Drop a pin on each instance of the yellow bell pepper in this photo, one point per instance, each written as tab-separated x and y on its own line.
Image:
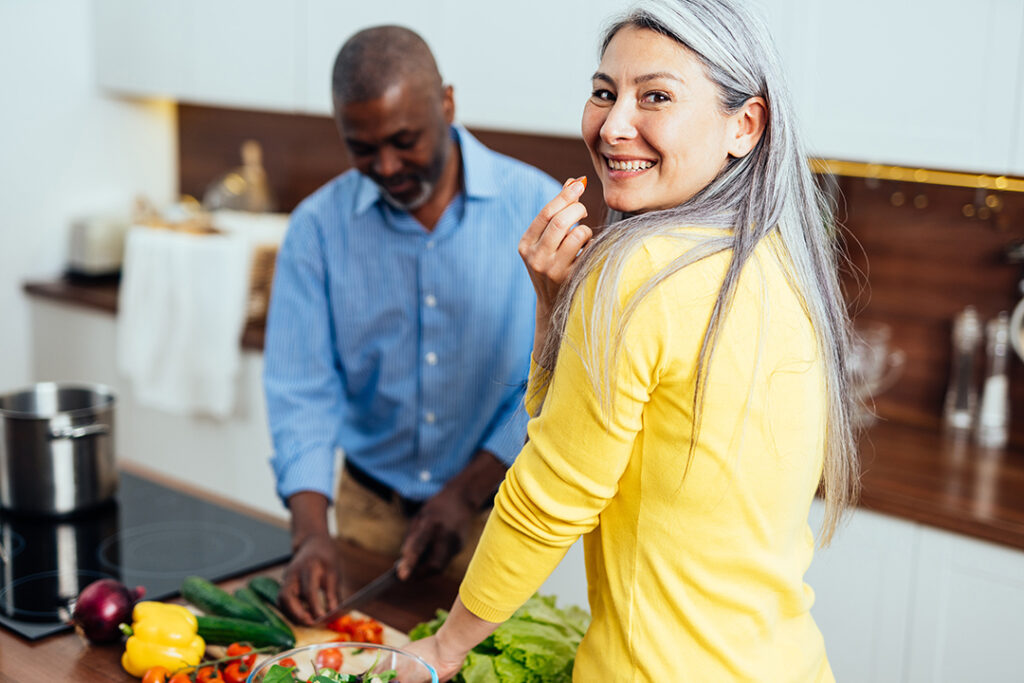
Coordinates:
162	635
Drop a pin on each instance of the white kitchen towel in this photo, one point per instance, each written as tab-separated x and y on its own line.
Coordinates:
181	314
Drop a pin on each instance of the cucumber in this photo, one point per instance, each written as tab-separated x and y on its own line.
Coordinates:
270	617
266	587
227	630
217	602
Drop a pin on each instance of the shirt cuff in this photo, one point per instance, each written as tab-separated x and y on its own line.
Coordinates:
507	440
311	471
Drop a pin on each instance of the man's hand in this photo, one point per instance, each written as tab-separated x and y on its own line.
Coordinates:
440	529
310	586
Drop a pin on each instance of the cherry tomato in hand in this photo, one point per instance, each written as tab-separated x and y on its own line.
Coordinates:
236	672
329	658
155	674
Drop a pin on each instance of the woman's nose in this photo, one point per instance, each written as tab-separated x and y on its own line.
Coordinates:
619	124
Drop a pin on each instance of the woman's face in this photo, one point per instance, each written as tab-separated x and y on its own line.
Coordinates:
654	125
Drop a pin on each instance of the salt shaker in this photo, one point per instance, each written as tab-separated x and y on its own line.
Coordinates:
962	395
994	411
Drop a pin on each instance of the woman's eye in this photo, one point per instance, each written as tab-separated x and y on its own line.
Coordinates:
655	97
602	95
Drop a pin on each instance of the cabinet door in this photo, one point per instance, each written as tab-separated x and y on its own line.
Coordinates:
245	53
913	82
862	586
1017	164
968	616
236	53
141	46
328	24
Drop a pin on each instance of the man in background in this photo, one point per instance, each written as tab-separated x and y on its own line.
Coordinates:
400	328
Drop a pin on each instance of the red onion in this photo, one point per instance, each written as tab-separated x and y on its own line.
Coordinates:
101	607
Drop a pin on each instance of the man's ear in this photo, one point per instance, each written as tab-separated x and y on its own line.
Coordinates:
448	103
747	127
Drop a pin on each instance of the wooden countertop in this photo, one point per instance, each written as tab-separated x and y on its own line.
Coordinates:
69	658
913	472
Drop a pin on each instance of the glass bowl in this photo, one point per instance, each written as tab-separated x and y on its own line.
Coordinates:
357	658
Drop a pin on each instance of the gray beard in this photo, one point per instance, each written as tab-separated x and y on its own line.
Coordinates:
417	202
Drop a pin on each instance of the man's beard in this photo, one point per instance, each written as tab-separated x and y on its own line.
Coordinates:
426	192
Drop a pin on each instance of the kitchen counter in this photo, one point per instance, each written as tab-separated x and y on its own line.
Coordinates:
68	658
912	472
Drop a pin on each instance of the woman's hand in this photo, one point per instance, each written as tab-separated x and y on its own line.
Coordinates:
550	247
431	652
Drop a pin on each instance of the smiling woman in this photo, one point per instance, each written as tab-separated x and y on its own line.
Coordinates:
690	383
658	137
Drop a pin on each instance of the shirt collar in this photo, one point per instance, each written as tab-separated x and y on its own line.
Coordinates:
479	174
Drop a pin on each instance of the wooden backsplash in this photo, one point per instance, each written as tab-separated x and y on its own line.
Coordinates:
921	259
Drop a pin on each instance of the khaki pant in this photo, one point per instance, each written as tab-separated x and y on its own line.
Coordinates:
369	521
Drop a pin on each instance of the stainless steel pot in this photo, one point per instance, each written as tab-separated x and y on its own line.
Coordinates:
57	448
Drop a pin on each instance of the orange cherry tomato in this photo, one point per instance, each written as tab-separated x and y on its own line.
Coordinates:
236	672
182	677
329	658
287	662
155	674
208	674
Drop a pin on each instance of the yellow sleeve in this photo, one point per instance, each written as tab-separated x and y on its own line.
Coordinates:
536	387
569	470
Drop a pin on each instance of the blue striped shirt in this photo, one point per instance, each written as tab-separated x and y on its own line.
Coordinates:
408	349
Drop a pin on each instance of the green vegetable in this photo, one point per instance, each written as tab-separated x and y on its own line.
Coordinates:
266	587
536	645
213	600
270	617
286	674
227	630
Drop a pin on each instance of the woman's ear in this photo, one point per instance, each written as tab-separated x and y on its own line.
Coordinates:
746	127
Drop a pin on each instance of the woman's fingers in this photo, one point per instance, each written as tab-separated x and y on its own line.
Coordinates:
571	192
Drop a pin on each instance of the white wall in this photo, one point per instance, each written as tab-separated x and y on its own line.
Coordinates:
65	151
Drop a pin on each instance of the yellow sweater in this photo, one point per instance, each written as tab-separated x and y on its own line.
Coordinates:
695	579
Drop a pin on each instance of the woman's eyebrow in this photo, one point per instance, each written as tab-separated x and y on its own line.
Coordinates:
601	76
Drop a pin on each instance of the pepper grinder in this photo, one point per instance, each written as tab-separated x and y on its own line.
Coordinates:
994	411
962	395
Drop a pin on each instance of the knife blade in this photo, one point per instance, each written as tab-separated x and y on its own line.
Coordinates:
361	596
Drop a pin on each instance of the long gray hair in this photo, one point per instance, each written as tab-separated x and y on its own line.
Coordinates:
769	189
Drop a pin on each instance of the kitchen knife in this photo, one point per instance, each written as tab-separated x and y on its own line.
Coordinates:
361	596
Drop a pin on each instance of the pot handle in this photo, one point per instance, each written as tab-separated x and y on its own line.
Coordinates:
79	432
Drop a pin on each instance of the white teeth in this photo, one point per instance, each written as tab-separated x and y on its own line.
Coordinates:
632	165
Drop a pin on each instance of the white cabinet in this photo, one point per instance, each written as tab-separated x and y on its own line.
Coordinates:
968	614
329	23
236	53
863	593
514	66
927	83
1017	164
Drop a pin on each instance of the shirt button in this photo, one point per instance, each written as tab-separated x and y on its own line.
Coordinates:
430	418
430	300
431	358
430	244
424	476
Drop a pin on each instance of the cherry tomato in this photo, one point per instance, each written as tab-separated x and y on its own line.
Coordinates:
329	658
180	678
287	662
236	649
236	672
368	632
208	674
155	674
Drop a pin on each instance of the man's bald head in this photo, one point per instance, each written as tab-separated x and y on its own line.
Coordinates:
375	59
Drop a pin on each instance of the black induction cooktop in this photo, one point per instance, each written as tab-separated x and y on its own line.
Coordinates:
151	536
